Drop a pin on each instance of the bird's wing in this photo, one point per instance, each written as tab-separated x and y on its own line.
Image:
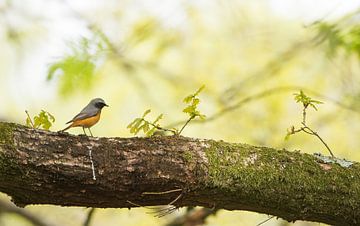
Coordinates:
85	113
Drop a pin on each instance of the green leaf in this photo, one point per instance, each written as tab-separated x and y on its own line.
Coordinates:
137	125
133	122
151	132
189	109
28	122
306	100
158	118
202	117
146	127
195	102
199	90
188	99
146	113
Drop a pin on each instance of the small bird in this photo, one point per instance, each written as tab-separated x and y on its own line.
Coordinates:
88	116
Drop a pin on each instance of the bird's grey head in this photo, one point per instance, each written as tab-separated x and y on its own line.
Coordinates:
98	103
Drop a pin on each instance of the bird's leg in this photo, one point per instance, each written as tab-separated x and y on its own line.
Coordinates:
84	131
90	131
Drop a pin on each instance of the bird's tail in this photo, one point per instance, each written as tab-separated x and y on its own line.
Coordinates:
63	130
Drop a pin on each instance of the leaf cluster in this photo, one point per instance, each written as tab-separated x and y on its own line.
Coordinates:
301	97
141	124
306	101
149	128
192	102
44	120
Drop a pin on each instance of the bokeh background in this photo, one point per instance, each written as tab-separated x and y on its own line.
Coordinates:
252	56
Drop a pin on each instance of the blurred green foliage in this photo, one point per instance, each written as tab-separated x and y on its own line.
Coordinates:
77	69
339	38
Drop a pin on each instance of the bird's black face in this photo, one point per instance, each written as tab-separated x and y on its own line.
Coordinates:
100	105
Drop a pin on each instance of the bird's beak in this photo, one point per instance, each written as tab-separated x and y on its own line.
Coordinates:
106	105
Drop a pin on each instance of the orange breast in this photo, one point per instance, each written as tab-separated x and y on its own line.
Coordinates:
88	122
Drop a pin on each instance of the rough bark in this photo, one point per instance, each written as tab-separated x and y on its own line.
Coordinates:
41	167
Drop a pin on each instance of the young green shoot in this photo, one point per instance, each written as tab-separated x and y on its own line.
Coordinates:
192	102
44	120
148	127
306	101
153	127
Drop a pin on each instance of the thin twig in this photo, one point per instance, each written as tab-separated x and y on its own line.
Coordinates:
322	141
168	210
89	217
304	116
263	222
187	122
309	131
161	128
177	198
155	210
32	124
134	204
165	211
162	192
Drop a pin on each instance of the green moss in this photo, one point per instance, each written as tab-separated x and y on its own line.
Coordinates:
226	163
188	156
6	133
261	174
266	172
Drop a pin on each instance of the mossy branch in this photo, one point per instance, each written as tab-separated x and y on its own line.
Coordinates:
43	167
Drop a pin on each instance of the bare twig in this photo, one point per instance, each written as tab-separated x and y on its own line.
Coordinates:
187	122
134	204
31	122
161	128
89	217
264	221
177	198
165	211
306	129
312	132
162	192
170	209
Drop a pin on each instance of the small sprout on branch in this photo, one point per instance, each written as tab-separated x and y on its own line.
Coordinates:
306	101
192	102
151	128
44	120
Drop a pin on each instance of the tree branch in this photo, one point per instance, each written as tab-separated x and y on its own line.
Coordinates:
41	167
